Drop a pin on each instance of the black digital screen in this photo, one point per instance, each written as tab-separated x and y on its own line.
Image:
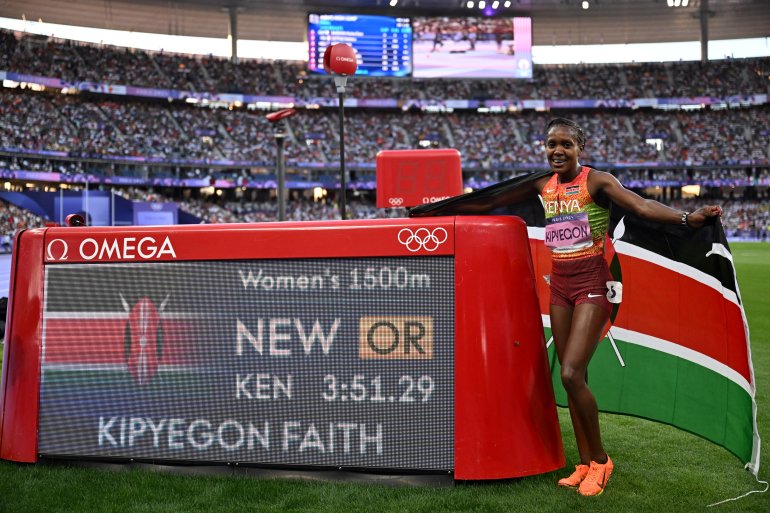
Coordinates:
383	44
317	362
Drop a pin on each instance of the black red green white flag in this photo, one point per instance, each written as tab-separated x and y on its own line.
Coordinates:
678	349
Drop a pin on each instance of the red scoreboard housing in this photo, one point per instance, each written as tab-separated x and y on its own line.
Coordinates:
406	178
500	416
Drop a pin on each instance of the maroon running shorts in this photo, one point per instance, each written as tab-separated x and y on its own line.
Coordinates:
583	280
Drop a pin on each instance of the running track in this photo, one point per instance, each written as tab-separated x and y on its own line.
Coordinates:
5	274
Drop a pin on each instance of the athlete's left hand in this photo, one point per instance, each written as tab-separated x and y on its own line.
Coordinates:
699	217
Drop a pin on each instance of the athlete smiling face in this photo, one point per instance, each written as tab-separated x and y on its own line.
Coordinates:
563	146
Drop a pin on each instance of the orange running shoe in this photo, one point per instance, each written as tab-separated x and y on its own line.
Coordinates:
596	480
575	478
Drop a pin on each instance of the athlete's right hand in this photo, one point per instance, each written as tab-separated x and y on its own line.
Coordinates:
698	218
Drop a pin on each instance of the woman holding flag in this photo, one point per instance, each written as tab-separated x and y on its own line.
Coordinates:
576	200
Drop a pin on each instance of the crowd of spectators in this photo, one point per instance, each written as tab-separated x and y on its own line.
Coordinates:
215	209
718	78
13	219
610	82
743	219
81	62
638	178
102	134
98	126
92	126
296	210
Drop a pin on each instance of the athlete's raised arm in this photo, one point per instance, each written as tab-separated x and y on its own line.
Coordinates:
601	183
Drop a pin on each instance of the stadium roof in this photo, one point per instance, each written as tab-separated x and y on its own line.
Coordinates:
555	22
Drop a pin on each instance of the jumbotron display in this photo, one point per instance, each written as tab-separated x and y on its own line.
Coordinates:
383	44
330	362
488	47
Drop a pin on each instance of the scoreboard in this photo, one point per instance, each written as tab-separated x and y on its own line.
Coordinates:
394	345
383	44
311	362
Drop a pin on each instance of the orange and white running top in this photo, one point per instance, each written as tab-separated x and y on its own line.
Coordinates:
575	226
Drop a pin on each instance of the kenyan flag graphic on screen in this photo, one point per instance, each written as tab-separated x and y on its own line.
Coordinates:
135	339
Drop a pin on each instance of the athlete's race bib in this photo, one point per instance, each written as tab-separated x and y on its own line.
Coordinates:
568	232
614	292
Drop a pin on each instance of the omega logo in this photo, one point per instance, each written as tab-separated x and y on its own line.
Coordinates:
125	248
53	247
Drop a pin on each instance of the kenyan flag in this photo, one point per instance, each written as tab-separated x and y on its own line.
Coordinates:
678	348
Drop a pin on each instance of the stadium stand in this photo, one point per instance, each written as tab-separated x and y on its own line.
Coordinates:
168	148
94	126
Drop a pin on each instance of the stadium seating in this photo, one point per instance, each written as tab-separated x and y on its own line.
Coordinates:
90	136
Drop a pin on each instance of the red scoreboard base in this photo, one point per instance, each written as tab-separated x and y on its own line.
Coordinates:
389	347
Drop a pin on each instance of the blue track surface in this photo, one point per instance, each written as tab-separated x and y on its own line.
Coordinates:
5	274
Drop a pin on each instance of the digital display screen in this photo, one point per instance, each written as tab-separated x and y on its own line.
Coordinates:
472	47
94	207
344	362
383	44
148	213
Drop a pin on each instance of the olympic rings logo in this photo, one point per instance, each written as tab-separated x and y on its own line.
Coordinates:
422	238
396	201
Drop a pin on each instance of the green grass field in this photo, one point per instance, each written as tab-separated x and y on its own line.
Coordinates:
658	468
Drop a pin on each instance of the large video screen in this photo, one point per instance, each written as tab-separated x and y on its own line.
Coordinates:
383	44
340	362
472	47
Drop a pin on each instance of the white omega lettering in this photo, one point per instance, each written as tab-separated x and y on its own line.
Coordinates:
166	249
143	244
129	248
65	249
93	244
126	248
108	249
422	238
433	199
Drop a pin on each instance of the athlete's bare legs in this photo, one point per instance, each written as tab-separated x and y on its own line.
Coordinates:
576	334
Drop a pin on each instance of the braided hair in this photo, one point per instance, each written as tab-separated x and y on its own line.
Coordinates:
577	131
